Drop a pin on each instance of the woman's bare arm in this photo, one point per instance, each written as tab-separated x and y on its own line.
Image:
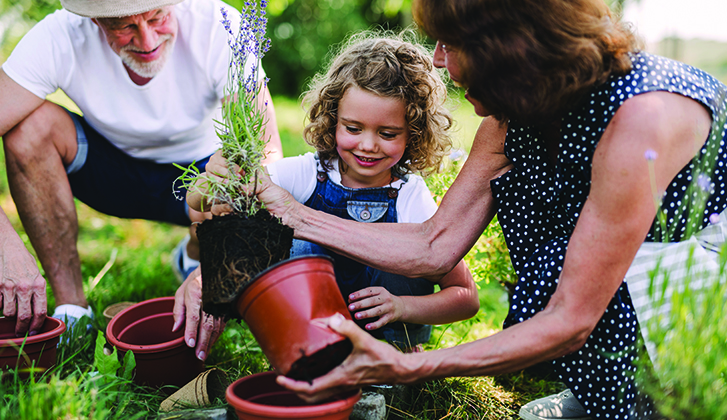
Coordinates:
430	249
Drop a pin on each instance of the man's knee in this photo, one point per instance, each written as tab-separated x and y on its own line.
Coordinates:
48	129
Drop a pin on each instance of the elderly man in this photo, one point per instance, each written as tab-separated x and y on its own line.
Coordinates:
149	77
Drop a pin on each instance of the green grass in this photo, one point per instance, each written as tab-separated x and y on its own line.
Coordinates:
691	370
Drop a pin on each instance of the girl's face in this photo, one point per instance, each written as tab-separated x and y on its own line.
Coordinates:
448	58
371	136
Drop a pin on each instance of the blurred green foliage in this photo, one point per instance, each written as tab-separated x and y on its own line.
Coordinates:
302	31
17	17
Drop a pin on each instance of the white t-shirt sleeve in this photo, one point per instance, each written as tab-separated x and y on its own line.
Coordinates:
38	62
295	174
415	203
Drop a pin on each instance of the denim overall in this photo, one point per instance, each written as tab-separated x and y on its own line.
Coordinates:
366	205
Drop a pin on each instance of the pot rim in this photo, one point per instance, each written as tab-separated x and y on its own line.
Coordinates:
253	284
256	287
142	348
55	331
291	261
272	411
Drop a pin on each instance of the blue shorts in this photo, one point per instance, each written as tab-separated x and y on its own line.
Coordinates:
112	182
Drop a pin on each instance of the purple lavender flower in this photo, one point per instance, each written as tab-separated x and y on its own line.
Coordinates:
457	154
714	218
651	155
705	184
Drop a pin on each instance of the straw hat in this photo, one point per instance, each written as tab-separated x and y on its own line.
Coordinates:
113	8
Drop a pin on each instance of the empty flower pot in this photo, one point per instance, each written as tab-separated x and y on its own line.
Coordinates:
162	357
38	351
259	397
278	307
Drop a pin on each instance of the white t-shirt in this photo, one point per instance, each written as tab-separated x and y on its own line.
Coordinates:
169	119
298	175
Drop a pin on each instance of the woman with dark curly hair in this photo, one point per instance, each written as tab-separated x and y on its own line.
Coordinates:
377	117
587	140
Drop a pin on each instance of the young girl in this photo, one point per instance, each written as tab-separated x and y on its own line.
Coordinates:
376	117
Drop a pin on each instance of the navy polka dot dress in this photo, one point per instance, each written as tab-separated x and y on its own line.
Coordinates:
539	202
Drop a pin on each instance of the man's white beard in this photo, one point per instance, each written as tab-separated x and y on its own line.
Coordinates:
148	69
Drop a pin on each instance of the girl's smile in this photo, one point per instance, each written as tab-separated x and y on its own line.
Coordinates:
371	137
365	161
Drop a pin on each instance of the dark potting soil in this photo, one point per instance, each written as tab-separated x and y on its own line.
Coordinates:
321	362
233	251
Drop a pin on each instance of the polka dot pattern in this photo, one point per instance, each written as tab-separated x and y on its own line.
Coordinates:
539	202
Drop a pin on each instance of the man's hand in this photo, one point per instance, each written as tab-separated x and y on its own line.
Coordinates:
22	288
201	329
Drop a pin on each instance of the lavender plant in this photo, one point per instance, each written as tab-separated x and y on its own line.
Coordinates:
689	374
242	128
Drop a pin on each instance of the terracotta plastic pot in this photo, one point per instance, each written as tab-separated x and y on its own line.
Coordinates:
38	350
279	305
259	397
162	357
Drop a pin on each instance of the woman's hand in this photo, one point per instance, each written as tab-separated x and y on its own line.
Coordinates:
201	329
376	302
278	201
370	362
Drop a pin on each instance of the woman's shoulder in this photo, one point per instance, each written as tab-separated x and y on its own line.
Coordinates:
653	73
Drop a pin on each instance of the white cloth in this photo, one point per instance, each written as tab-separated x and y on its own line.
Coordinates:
169	119
659	269
298	175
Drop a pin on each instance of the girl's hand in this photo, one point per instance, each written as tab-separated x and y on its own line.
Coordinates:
376	301
217	166
216	169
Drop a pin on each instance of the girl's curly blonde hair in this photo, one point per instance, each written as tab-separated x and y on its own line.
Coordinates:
391	67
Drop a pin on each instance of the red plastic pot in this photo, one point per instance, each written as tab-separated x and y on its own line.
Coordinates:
259	397
278	307
162	357
37	351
